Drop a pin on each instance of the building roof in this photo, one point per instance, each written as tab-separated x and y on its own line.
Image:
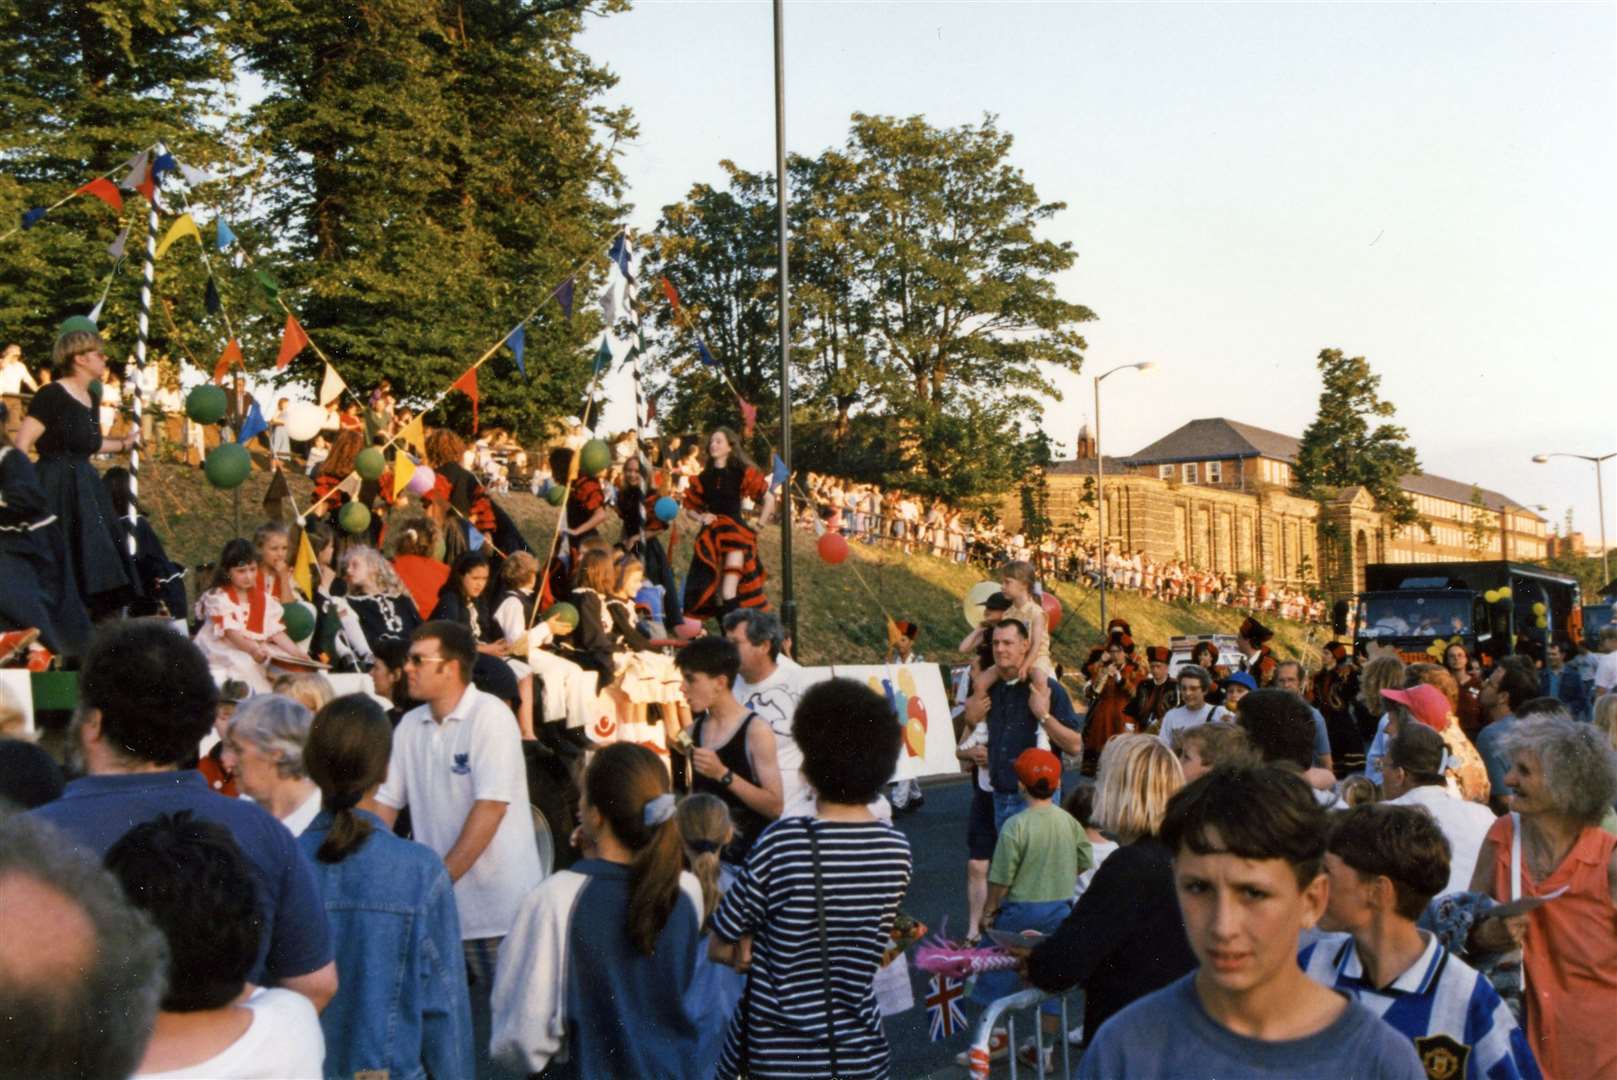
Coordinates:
1086	467
1217	438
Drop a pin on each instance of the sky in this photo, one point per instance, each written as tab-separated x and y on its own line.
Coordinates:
1431	186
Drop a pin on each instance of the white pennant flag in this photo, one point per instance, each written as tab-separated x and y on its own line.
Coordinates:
195	176
350	485
117	248
613	306
331	386
95	312
137	172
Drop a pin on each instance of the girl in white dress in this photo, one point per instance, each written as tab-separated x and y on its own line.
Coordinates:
241	624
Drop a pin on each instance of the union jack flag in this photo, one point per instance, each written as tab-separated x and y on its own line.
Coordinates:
943	1013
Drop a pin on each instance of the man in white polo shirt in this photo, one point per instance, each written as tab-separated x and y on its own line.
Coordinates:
457	764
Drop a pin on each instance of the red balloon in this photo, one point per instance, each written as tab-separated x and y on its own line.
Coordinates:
1052	611
833	548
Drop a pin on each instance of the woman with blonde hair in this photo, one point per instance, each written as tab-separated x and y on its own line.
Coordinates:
705	827
1125	937
377	606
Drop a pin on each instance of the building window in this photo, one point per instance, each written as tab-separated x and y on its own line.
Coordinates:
1215	472
1164	472
1187	472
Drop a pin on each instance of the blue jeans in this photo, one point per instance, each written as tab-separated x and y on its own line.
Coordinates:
1008	805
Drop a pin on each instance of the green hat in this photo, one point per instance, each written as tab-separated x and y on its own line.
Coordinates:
76	324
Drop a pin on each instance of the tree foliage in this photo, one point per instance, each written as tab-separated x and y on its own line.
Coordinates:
1340	448
924	314
1479	532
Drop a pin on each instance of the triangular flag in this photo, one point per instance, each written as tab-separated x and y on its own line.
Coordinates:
350	485
195	176
267	283
603	357
222	236
778	472
474	537
467	384
613	308
184	225
673	297
116	249
105	190
331	386
293	339
303	566
749	418
252	424
135	172
31	218
95	312
414	435
147	186
165	163
620	255
703	355
564	297
227	359
518	340
210	298
279	490
403	469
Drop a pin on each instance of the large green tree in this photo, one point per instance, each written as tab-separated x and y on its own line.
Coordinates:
1348	443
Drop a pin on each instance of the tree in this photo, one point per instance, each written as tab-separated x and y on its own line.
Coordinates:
1481	523
1340	449
1032	458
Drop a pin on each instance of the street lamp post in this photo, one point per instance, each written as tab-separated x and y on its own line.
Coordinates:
1600	501
1100	478
788	605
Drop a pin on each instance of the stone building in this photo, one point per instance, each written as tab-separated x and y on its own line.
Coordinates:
1218	494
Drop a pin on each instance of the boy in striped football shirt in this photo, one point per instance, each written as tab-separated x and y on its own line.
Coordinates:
1385	864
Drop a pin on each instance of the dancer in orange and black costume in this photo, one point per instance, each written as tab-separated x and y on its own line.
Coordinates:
725	571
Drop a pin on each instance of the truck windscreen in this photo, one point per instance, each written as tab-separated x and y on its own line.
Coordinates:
1391	615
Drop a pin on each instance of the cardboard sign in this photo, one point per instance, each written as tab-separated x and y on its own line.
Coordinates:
916	693
16	687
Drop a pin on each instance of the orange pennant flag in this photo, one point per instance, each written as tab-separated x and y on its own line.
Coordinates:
293	339
467	384
673	297
227	359
105	190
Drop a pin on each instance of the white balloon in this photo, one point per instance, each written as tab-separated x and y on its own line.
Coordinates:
304	419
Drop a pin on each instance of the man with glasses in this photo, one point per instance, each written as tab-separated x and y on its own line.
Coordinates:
457	764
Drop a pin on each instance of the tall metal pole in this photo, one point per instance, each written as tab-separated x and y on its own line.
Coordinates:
1100	499
788	607
148	271
1600	501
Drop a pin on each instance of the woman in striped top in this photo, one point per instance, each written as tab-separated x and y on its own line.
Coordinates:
818	897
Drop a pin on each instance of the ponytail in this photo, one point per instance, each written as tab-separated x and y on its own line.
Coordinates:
628	786
705	826
347	753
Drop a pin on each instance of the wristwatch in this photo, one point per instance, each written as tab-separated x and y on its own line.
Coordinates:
728	778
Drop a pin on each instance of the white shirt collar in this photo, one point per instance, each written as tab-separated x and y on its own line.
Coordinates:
1416	979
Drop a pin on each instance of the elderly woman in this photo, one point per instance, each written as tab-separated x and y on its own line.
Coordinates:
264	746
1125	936
1562	780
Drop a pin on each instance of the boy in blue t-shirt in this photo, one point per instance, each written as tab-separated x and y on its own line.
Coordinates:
1248	845
1385	863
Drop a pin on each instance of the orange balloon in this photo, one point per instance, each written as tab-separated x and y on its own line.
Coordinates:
1052	611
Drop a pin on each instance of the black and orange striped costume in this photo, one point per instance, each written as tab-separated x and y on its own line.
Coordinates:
584	498
719	492
451	481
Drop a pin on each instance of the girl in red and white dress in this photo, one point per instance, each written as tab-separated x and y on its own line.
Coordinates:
241	624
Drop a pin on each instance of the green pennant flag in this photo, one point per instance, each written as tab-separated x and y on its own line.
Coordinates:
603	356
267	283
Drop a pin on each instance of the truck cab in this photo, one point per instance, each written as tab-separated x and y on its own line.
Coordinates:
1416	607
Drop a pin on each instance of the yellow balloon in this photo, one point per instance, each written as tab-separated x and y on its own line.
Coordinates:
1541	622
1504	594
1492	596
1538	607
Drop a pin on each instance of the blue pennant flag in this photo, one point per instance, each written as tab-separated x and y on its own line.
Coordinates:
703	355
474	537
31	218
564	297
620	255
165	163
253	425
778	472
603	356
210	299
518	340
223	237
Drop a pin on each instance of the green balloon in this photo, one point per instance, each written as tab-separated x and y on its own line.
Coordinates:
299	620
227	465
595	457
354	518
370	464
565	611
206	404
556	495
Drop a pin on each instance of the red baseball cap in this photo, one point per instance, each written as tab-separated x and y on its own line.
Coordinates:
1425	702
1039	771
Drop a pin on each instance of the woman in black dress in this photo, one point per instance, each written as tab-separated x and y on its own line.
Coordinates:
725	570
63	426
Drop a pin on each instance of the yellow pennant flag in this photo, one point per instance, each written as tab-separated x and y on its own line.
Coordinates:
303	567
183	226
414	435
331	386
403	469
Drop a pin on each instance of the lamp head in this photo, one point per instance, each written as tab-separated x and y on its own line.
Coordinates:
1146	365
1541	459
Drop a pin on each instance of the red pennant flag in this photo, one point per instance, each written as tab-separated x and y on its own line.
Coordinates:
467	384
105	190
148	183
227	359
673	297
293	339
749	417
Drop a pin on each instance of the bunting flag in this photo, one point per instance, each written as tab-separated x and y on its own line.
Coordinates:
414	435
518	340
105	190
134	172
474	537
270	286
116	249
620	255
164	163
564	297
222	236
614	302
749	418
603	357
252	425
227	359
703	355
293	340
210	298
277	492
778	473
673	297
303	566
147	186
31	218
195	177
331	386
350	485
467	384
403	469
184	225
95	312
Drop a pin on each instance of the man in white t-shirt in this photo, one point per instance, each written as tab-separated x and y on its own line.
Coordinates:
770	685
1606	668
1413	775
458	765
1194	683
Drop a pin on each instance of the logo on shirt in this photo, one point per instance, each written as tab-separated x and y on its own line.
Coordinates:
1441	1056
462	765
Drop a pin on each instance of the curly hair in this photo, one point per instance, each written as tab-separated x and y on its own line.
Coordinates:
1382	673
385	580
444	447
1577	760
345	449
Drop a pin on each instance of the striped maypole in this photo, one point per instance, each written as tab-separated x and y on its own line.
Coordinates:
148	270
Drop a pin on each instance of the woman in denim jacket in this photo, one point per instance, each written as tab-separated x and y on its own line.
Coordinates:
401	1008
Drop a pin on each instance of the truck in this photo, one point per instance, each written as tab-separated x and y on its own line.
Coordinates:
1415	606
